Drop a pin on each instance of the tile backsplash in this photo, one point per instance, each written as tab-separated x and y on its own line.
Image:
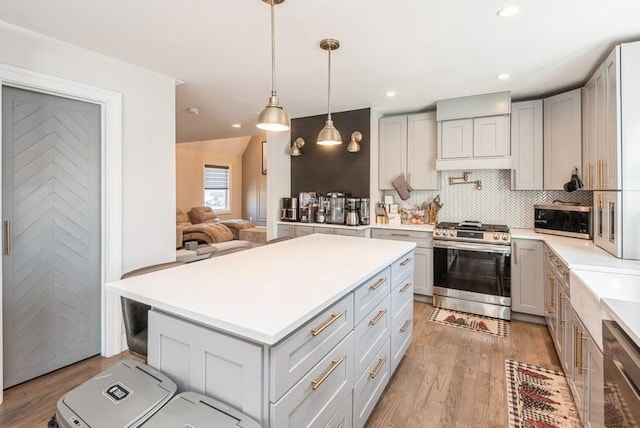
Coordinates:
494	203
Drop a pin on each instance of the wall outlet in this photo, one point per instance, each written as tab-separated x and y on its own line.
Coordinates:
250	218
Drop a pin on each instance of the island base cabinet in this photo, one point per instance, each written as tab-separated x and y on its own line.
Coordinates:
370	386
208	362
344	416
401	335
320	393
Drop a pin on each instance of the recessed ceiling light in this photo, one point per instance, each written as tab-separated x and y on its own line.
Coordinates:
236	125
193	110
502	76
390	94
508	11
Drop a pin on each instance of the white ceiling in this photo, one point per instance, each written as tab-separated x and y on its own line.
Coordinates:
424	50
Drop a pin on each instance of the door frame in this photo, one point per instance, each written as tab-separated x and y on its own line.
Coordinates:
111	190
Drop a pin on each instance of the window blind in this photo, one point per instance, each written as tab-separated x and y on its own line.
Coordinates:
216	177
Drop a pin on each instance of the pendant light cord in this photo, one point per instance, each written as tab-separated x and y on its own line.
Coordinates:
329	89
273	51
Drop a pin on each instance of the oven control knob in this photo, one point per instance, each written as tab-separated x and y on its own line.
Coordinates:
504	237
496	236
436	232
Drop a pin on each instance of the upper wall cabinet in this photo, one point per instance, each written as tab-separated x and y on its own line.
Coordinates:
473	132
526	145
562	138
408	146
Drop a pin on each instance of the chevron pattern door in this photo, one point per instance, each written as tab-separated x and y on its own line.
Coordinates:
51	232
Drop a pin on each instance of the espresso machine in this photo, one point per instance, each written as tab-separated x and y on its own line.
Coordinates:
336	208
364	211
353	206
289	209
307	206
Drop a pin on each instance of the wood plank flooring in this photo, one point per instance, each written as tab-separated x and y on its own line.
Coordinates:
450	377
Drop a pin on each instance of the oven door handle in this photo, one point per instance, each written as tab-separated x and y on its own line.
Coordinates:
485	248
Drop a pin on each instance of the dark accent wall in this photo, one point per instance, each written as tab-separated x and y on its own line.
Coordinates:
325	169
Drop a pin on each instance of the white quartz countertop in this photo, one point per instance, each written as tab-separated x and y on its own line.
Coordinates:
265	293
420	227
581	254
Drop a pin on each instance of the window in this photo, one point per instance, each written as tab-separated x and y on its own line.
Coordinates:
216	187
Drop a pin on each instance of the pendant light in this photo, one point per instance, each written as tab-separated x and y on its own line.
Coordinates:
329	135
273	117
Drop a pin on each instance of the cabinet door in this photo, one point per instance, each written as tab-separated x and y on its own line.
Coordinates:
421	151
575	375
392	159
590	109
609	155
455	138
607	218
423	274
323	229
303	230
286	230
526	145
527	285
491	136
562	138
594	385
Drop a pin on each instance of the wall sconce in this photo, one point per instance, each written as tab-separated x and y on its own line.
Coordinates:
465	180
354	144
294	150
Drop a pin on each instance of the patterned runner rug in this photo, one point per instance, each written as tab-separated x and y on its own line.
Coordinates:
473	322
539	397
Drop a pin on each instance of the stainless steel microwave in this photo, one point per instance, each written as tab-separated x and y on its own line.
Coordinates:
575	221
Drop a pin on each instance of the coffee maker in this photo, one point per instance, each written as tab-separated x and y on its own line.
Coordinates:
336	208
289	209
353	206
307	206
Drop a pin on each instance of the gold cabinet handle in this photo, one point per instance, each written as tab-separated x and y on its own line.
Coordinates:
7	237
405	326
400	234
315	383
562	298
406	261
379	366
377	284
590	177
515	252
406	287
601	173
575	346
378	317
334	317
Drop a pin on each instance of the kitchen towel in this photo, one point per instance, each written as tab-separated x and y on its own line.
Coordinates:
401	186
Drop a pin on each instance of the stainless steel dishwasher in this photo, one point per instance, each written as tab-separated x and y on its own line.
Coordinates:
621	377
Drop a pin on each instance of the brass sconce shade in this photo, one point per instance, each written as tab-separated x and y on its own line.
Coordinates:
329	135
354	144
273	117
294	150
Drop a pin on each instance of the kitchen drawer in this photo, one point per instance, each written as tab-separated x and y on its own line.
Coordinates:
401	267
343	418
370	334
422	238
369	294
303	406
370	386
291	359
401	296
401	335
304	230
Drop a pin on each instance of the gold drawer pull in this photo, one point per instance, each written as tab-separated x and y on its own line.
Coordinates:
315	384
406	325
400	234
406	261
378	317
375	371
377	284
334	317
406	287
564	272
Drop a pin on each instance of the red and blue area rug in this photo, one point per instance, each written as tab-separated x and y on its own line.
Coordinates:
493	326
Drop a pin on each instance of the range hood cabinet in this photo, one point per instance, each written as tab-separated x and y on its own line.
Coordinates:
474	132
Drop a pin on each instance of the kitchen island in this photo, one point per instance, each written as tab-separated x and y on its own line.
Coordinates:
305	331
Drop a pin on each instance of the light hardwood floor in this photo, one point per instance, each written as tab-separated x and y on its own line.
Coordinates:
450	377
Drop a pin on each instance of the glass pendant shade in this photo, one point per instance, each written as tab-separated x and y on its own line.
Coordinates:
273	118
329	135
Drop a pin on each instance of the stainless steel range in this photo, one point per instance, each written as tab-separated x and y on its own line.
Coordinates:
472	268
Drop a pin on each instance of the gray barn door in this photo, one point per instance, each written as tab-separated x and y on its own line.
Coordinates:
51	232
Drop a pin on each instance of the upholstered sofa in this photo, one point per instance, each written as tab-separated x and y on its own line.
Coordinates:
206	215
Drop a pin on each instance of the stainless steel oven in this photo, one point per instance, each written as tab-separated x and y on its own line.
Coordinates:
621	377
472	269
